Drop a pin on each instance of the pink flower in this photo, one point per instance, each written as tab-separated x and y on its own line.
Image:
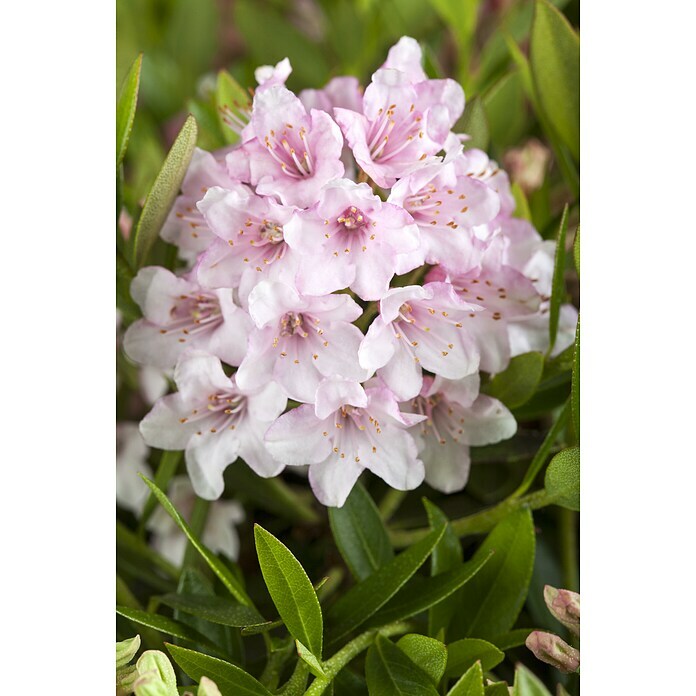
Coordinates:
179	314
348	430
214	421
344	92
249	243
300	340
405	118
131	459
270	75
445	206
185	226
350	238
420	327
456	417
292	154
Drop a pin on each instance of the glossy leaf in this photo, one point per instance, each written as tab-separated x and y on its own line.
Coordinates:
496	689
165	189
527	684
214	609
463	654
558	283
474	123
311	659
168	464
220	569
391	673
291	590
446	555
365	598
516	385
427	653
359	534
563	478
554	57
125	108
471	683
231	99
512	639
421	594
165	625
231	680
263	627
495	595
575	383
125	651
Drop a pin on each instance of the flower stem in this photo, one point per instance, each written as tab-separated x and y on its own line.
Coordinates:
335	664
479	522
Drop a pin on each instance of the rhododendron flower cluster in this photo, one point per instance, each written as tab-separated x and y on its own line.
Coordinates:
350	254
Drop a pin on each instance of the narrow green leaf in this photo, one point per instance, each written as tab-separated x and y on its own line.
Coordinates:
512	639
233	104
359	534
365	598
125	650
521	203
390	672
225	575
554	57
231	680
519	381
558	283
165	189
168	464
214	609
497	689
427	653
576	249
125	108
495	595
447	555
263	627
563	478
421	594
291	590
471	683
506	110
460	17
311	659
164	624
575	383
474	123
463	654
526	684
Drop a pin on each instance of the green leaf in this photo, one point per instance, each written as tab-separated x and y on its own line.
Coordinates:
575	384
495	595
506	110
421	594
471	683
125	108
558	283
576	249
164	624
125	650
446	555
158	663
359	534
463	654
474	122
311	659
232	104
221	570
231	680
521	203
563	478
526	684
460	17
214	609
165	189
291	590
365	598
391	673
497	689
263	627
519	381
168	464
512	639
554	56
427	653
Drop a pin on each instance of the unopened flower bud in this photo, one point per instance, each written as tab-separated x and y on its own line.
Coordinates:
125	651
208	687
157	676
527	164
553	650
125	680
564	605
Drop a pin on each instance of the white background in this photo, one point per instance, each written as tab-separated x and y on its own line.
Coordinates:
57	346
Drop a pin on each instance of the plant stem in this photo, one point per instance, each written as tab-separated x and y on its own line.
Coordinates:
569	548
479	522
390	503
335	664
274	666
302	511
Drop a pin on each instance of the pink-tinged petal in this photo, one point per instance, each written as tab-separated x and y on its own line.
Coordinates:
444	94
224	209
463	391
296	438
253	451
340	356
384	406
447	465
378	346
343	92
207	457
491	338
199	373
269	301
487	421
402	374
229	341
256	370
238	161
339	307
373	271
267	404
335	392
323	274
216	267
131	460
391	303
163	427
269	75
153	289
406	56
274	108
333	479
145	344
296	372
395	459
